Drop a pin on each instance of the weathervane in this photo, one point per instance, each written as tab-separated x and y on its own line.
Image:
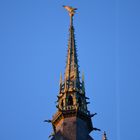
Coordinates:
71	11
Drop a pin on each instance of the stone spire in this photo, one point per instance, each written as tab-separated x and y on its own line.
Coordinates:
72	120
72	71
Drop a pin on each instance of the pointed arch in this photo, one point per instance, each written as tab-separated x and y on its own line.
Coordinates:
70	100
62	103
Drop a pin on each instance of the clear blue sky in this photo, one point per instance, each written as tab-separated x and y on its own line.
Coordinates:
33	45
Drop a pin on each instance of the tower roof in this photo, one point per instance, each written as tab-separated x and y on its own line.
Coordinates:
72	71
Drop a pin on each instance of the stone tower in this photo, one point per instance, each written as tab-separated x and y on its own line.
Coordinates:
72	121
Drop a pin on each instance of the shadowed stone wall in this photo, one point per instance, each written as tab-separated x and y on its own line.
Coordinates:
72	128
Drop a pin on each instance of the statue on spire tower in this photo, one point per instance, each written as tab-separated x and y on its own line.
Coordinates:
71	11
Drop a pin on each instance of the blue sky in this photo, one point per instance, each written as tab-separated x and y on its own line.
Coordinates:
33	45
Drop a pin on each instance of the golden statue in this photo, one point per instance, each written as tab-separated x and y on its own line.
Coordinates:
71	10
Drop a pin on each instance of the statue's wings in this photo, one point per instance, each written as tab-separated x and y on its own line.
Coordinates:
70	9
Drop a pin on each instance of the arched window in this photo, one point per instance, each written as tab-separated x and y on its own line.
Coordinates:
70	100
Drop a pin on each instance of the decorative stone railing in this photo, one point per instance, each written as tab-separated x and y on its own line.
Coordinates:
72	108
75	107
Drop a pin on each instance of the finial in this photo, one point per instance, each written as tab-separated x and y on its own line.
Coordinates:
83	77
104	136
65	83
60	82
71	11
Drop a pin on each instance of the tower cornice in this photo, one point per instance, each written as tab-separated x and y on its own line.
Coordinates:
75	112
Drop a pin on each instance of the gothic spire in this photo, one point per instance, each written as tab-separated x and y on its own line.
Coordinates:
71	71
72	102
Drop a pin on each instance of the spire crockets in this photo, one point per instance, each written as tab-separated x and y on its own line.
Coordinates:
71	71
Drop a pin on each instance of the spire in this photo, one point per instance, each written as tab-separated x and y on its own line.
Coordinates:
72	102
104	136
71	71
